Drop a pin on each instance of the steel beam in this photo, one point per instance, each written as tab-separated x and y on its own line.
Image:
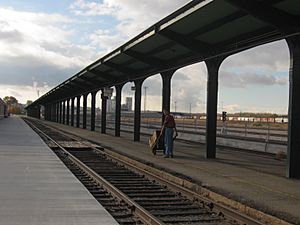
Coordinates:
264	12
57	112
192	44
166	90
93	110
69	89
85	80
46	112
149	60
49	112
60	112
68	112
84	112
53	112
102	75
64	112
75	84
118	109
213	66
120	68
293	151
217	23
137	108
72	110
78	112
103	112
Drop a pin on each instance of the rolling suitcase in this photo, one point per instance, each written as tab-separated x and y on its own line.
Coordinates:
156	142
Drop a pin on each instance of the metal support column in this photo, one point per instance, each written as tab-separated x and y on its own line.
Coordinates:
49	112
68	112
118	109
293	151
57	113
78	112
38	112
93	110
103	112
137	108
52	112
213	66
72	111
60	112
46	112
64	112
84	111
166	90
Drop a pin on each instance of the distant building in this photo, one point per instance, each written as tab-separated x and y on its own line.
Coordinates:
111	105
124	107
128	103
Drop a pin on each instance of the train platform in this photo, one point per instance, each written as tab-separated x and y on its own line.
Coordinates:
246	179
36	187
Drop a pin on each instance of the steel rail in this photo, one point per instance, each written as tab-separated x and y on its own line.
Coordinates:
229	212
218	207
136	209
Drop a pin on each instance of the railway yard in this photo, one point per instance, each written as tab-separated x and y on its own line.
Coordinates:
264	139
136	187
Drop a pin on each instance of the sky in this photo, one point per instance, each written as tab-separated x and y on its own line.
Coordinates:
43	43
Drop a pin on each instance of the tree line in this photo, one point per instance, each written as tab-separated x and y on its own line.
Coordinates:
13	105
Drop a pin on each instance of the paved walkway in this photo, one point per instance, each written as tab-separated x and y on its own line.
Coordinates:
255	180
35	186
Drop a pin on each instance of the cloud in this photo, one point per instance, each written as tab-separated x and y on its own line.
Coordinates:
8	35
38	44
231	108
23	92
107	40
189	90
85	8
244	79
265	65
269	58
134	16
153	86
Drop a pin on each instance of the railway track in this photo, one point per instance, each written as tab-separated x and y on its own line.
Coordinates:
133	196
238	131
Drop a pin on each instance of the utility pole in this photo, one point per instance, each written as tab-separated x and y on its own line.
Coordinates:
175	106
190	109
145	98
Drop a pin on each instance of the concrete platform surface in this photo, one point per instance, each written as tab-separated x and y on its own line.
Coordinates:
253	179
35	186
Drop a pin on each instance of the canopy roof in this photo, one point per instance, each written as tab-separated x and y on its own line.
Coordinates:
198	31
